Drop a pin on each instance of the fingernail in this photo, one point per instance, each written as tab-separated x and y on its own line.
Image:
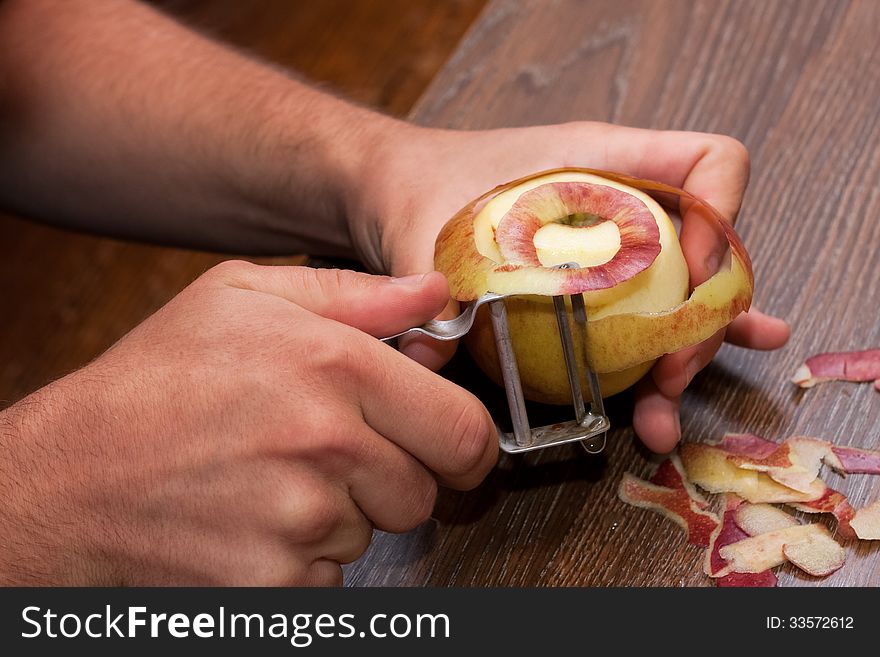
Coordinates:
713	263
413	280
677	428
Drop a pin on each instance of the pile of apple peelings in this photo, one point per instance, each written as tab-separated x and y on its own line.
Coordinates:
751	536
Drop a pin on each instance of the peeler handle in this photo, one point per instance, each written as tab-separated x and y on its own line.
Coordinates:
449	329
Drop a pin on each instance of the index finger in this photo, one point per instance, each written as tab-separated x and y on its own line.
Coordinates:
714	168
441	424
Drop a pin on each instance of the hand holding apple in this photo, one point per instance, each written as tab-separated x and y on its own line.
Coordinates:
423	177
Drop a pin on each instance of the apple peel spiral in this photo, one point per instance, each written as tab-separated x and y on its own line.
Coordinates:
632	274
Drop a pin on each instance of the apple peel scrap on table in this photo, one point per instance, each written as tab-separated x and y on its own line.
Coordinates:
747	542
726	533
741	521
854	366
762	471
809	547
633	274
674	503
751	536
796	462
776	537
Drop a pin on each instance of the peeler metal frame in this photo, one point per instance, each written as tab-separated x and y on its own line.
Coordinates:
589	426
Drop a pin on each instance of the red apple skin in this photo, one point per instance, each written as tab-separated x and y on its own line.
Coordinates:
747	444
835	503
728	532
675	504
854	460
670	474
639	234
854	366
466	269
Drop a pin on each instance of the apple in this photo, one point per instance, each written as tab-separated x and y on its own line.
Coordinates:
632	274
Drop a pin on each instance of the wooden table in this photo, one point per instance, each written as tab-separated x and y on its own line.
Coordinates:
799	83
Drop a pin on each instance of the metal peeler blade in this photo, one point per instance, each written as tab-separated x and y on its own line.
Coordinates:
589	426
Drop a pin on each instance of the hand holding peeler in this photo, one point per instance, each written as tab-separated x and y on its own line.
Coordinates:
589	426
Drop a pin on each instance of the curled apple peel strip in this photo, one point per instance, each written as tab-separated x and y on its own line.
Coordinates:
711	306
855	366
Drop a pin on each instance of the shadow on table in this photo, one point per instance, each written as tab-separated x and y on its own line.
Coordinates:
705	406
533	470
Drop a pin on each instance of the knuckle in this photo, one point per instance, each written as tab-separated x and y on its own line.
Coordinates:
318	515
735	150
230	270
341	363
328	436
471	430
413	506
335	442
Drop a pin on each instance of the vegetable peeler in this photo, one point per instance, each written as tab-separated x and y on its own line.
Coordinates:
589	426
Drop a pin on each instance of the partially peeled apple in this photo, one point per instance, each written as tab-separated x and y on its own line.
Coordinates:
632	274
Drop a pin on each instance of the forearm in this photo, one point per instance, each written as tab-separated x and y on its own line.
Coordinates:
118	120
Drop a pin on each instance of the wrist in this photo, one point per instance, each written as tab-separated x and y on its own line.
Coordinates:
304	169
366	160
45	538
386	199
19	565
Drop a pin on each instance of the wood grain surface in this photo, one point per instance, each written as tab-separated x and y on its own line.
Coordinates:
796	81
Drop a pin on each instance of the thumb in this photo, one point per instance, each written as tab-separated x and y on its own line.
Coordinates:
378	305
433	354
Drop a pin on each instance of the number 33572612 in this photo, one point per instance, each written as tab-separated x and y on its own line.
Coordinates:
811	623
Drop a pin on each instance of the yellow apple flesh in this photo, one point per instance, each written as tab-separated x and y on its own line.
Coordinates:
631	324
